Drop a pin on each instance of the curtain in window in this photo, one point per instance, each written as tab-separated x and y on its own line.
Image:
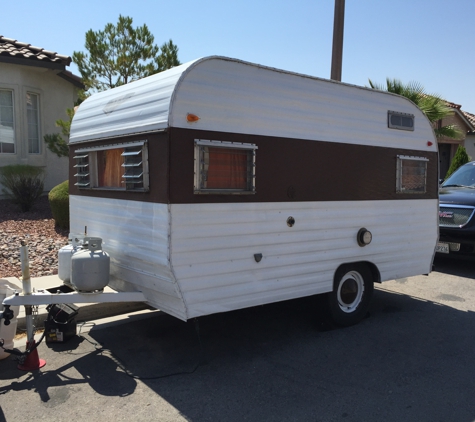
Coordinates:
7	136
32	115
110	168
227	168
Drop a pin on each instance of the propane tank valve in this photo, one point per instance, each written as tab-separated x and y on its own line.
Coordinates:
7	314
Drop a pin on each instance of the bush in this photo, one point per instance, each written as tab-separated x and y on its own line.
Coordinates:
23	184
460	158
59	204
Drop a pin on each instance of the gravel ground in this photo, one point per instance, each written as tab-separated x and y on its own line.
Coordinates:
37	228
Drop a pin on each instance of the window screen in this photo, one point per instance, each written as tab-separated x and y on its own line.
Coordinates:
411	174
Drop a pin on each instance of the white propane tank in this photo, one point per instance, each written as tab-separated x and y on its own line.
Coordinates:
90	266
7	332
65	254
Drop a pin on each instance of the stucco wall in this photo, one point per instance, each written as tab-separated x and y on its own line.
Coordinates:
470	145
55	96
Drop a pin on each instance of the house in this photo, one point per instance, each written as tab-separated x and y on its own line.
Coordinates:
447	146
35	91
470	137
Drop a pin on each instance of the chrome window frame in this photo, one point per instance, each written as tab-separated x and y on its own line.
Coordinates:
200	166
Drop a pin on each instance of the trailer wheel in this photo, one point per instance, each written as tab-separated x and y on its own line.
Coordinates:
349	301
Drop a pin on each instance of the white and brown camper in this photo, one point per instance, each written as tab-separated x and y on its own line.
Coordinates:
220	184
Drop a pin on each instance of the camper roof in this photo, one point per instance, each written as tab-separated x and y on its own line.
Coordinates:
229	95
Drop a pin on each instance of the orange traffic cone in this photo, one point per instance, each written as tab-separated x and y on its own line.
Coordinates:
32	361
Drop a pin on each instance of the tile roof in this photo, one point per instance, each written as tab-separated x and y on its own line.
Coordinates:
470	117
13	49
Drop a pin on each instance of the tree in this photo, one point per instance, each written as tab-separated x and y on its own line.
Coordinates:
121	54
460	158
433	106
55	141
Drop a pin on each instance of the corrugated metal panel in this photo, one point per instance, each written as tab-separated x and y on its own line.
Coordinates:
136	107
136	235
233	96
213	248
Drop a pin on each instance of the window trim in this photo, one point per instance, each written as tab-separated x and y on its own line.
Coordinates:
251	148
93	178
399	168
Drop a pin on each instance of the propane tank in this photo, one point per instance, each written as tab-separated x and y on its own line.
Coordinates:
75	241
90	266
7	332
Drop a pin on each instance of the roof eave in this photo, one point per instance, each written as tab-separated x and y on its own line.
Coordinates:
32	62
72	78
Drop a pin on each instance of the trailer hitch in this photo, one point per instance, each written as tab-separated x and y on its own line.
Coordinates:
7	314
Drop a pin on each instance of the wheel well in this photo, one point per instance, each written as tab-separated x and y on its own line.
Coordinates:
372	268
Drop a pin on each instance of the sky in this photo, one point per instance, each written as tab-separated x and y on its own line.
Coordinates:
426	41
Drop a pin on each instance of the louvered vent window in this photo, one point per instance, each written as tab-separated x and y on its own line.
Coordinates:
117	167
133	177
224	167
82	170
411	174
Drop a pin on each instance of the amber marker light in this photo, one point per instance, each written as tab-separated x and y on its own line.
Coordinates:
190	118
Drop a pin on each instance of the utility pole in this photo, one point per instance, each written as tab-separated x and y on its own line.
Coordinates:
337	51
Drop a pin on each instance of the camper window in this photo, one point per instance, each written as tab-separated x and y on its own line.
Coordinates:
224	167
402	121
411	174
120	166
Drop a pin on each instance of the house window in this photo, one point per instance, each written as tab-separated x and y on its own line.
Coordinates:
224	167
120	167
411	174
402	121
33	120
7	133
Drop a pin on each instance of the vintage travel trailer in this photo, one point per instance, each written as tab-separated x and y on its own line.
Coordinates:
221	184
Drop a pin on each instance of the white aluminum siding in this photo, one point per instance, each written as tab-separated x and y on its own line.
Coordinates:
139	106
213	247
136	236
237	97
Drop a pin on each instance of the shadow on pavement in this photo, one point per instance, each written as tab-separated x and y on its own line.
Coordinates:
98	371
410	360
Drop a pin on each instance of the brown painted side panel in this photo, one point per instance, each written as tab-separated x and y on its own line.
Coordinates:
286	170
301	170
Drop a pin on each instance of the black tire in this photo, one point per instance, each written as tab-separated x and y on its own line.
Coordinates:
349	301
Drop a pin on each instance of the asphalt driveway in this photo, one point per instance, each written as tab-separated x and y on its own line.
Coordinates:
412	359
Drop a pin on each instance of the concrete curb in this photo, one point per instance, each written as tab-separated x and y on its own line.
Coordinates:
87	311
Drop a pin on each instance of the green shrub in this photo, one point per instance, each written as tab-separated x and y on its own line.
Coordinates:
23	184
460	158
59	204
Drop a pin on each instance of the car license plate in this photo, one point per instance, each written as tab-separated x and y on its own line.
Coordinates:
442	247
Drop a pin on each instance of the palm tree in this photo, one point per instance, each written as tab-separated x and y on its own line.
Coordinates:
433	106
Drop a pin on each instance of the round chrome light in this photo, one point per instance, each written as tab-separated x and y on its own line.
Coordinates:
364	237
